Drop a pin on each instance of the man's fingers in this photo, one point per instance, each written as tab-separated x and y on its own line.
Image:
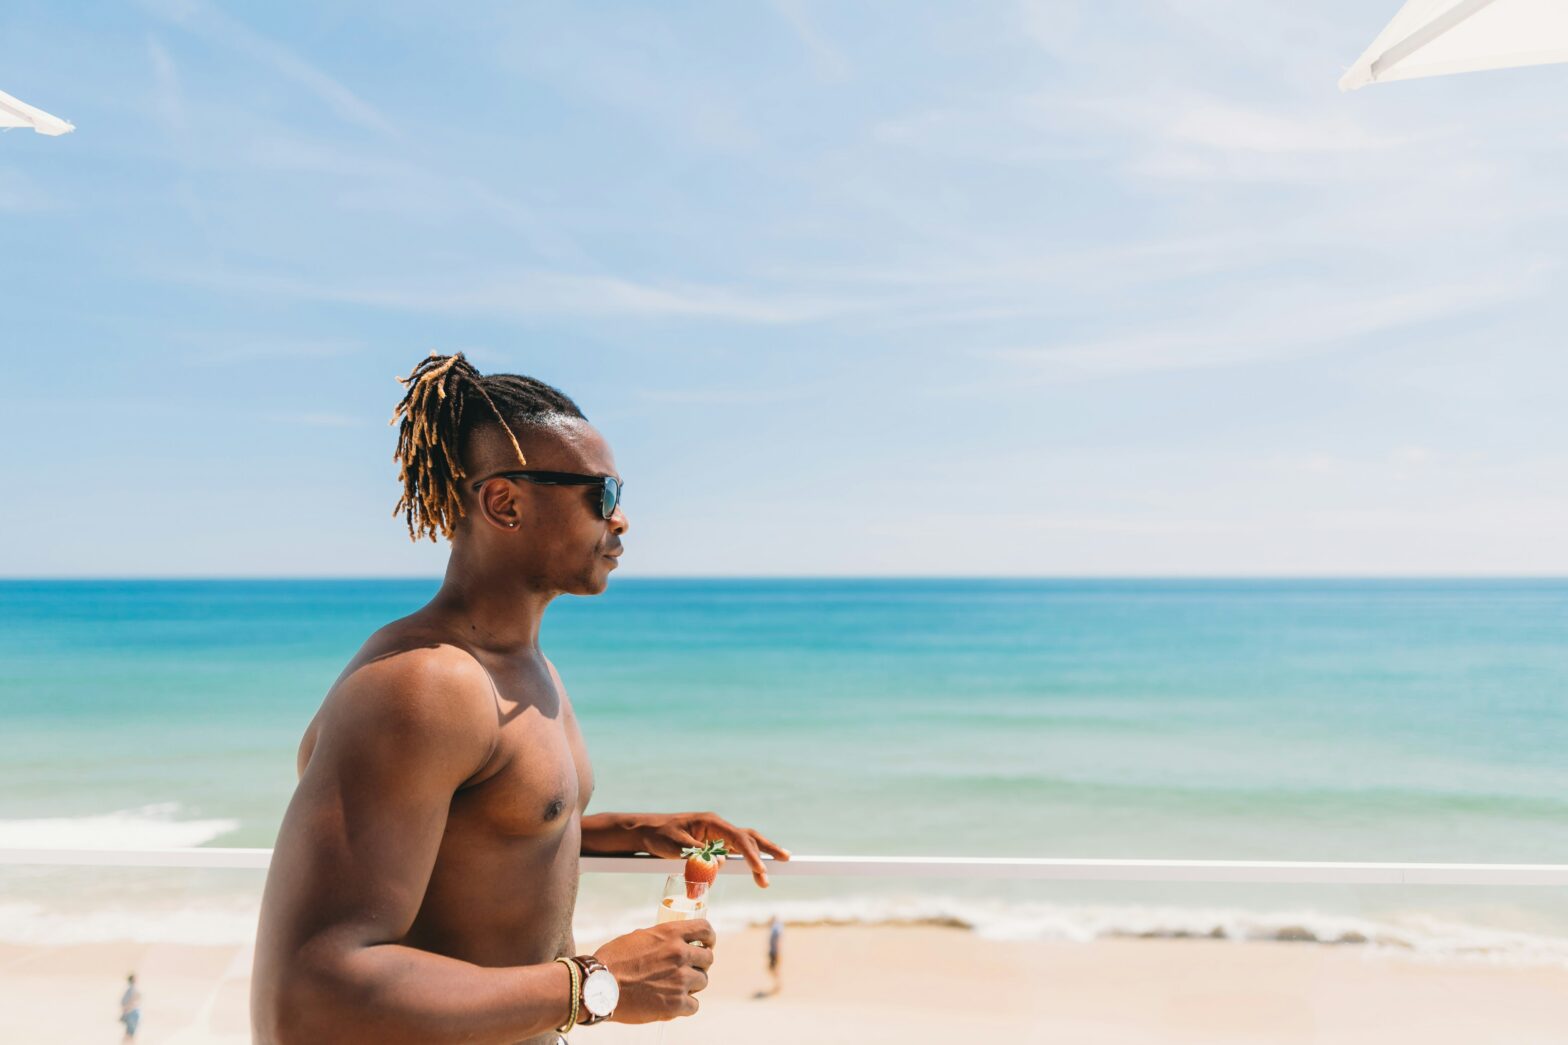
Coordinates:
697	930
742	840
748	852
744	843
778	852
699	957
754	860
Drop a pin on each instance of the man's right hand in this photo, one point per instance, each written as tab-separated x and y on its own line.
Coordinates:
659	969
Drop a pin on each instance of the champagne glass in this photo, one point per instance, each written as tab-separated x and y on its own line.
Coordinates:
681	901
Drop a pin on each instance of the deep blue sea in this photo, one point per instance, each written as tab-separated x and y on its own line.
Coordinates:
1314	720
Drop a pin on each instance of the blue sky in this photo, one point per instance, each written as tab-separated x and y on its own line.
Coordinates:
1055	288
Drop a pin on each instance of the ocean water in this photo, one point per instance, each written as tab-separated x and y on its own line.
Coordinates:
1314	720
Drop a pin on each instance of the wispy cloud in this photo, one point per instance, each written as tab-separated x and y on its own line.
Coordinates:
168	100
1178	134
211	23
623	58
218	348
1287	323
1012	280
1227	126
21	194
314	420
731	395
827	59
382	177
1202	138
527	292
1407	461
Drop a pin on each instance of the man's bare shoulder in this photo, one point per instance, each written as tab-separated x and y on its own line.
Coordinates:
408	686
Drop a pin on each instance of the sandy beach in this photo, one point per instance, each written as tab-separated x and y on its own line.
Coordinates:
907	985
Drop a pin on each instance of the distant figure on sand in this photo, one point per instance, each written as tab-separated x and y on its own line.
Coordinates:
130	1007
775	933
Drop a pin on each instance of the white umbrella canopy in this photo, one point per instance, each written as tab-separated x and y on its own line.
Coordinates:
16	113
1436	37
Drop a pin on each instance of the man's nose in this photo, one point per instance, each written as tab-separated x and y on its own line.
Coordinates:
618	523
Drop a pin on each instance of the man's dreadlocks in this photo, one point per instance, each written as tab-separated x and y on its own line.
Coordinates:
439	410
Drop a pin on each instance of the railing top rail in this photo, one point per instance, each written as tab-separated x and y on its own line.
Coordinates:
1044	869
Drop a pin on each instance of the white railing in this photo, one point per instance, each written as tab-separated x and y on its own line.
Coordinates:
1277	871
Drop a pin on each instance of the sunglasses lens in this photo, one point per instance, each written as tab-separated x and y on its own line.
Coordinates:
612	497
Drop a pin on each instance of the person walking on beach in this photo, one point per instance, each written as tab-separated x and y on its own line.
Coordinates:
775	936
425	875
131	1007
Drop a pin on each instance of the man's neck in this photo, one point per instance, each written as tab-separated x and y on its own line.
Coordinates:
496	613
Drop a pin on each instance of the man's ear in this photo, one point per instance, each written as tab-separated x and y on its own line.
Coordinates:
498	505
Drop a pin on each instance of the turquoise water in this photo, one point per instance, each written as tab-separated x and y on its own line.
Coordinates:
1356	720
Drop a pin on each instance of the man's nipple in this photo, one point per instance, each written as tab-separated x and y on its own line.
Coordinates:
554	809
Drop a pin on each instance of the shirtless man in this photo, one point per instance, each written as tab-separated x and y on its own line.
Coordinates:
424	878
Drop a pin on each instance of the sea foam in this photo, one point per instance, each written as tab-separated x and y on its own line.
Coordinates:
1419	935
146	827
206	923
232	921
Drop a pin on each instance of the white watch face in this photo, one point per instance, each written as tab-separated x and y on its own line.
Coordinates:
601	992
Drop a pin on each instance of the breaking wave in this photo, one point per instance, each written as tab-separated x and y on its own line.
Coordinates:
147	827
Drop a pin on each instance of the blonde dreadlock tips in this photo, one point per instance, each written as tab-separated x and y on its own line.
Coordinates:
430	466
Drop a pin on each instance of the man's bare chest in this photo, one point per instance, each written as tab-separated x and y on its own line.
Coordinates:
540	777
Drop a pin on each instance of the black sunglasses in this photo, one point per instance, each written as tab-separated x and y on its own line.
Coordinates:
609	493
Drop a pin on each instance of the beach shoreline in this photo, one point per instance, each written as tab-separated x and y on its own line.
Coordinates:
908	984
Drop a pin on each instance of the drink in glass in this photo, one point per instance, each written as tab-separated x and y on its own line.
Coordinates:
683	900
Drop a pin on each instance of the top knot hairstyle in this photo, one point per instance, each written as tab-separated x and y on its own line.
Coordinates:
446	400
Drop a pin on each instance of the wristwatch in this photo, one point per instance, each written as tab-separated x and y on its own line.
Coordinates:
600	991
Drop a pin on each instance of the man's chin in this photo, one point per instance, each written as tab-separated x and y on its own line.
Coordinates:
596	581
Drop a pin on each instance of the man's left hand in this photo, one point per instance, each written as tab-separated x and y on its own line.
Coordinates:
666	834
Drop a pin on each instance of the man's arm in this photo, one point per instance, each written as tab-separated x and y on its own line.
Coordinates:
613	834
399	737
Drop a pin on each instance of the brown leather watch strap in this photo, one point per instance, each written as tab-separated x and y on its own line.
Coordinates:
588	964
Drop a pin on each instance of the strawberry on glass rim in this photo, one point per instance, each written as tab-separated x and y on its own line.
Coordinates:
702	865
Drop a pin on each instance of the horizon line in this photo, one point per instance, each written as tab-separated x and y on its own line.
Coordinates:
172	577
